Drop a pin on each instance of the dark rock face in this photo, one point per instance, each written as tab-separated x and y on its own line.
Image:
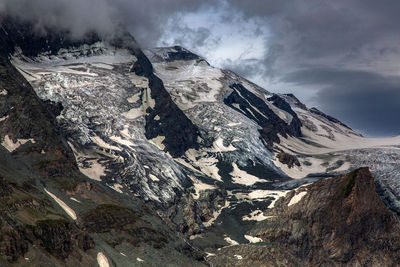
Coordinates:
297	102
188	215
340	221
336	222
60	237
12	245
332	119
180	133
280	103
257	110
181	54
288	159
124	226
106	217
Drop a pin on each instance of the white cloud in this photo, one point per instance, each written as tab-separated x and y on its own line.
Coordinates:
220	35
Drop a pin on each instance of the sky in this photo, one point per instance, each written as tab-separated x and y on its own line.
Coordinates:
340	56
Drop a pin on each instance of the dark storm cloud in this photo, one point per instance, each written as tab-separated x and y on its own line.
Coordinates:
320	28
367	101
76	16
143	18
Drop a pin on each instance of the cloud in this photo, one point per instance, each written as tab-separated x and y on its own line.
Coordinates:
75	16
78	17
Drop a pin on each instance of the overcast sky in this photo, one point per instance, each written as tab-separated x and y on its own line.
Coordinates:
341	56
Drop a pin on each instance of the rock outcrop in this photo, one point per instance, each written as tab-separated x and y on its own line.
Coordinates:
333	222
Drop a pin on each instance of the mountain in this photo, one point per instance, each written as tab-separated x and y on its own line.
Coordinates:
333	222
114	154
52	214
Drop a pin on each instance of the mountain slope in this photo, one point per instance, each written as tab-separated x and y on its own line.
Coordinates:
333	222
52	214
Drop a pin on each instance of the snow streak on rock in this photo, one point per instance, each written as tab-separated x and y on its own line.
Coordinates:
71	213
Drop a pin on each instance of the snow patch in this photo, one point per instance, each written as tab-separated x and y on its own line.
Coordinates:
215	215
3	118
219	146
315	165
133	113
135	98
263	194
95	171
199	186
253	239
117	187
341	142
257	194
192	237
296	198
242	177
230	241
121	141
158	142
11	146
233	124
102	260
100	142
143	82
139	81
207	165
62	204
256	215
103	66
154	178
74	199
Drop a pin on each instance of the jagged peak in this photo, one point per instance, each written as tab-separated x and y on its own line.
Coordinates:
171	53
293	101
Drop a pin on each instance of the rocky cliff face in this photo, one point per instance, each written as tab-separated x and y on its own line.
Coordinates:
333	222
